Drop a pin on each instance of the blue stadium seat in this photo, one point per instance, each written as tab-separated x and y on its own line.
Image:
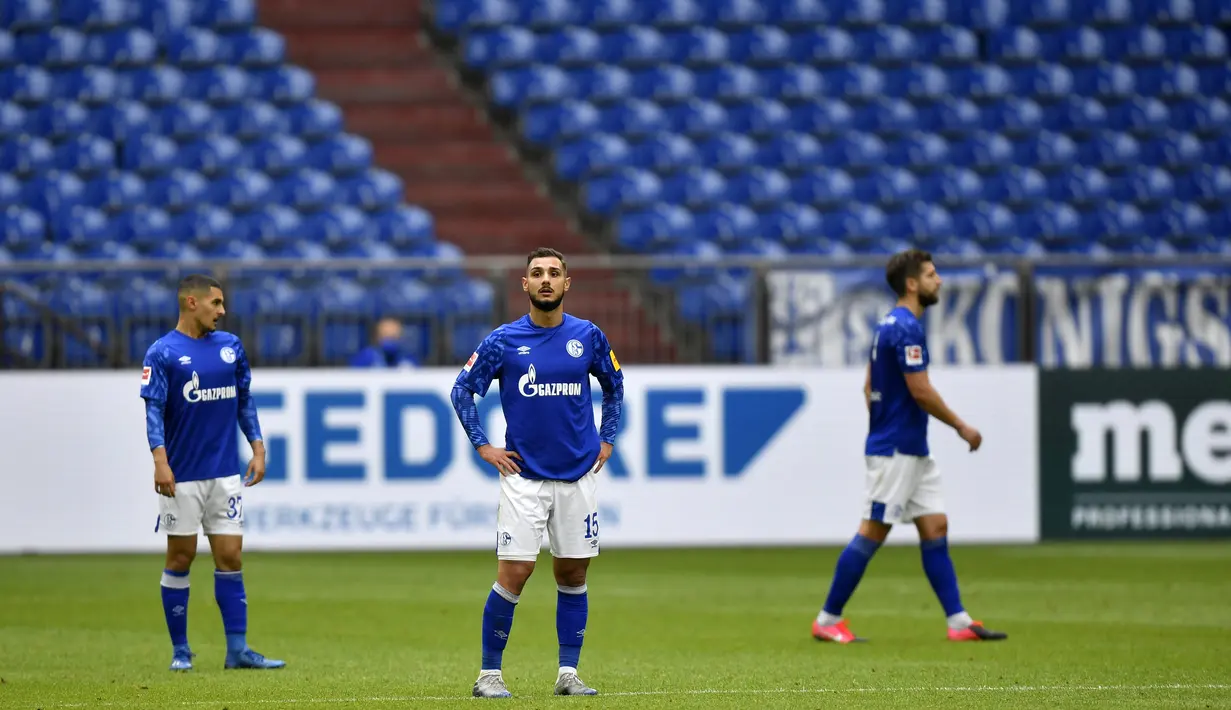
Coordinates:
520	86
254	120
157	84
885	45
224	13
727	224
219	84
127	47
697	46
114	191
675	13
57	48
26	85
662	83
164	18
854	151
1143	186
1208	184
120	121
1104	81
632	117
888	117
213	154
952	187
1204	116
86	155
1016	45
694	187
97	14
1046	151
792	151
282	85
664	152
8	49
1013	117
760	45
655	228
822	45
1080	186
373	189
194	47
598	83
205	226
254	47
178	190
23	229
795	226
552	123
58	119
593	154
24	15
697	118
887	187
405	227
823	187
758	187
305	189
1172	150
633	46
82	228
571	46
89	85
343	154
241	190
950	117
1016	187
269	226
758	117
1169	82
338	226
1141	44
145	227
10	191
26	156
949	46
1139	115
185	120
726	151
628	188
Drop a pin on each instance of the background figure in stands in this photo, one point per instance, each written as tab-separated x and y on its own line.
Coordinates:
387	349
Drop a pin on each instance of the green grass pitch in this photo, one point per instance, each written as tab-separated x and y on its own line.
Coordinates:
1123	625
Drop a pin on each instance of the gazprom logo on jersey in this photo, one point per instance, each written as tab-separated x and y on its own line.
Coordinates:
667	431
193	392
529	388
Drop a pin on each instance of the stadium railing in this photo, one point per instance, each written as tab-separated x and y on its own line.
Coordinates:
1081	311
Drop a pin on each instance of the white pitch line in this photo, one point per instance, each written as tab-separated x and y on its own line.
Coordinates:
701	691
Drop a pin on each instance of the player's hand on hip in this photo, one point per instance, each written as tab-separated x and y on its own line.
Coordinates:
256	467
971	436
604	453
164	481
501	459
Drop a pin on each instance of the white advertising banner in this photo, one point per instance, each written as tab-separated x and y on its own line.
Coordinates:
377	460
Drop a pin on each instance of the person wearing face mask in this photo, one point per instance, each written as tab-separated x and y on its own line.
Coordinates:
387	351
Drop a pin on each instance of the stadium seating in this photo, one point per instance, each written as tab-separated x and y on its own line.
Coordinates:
781	127
175	130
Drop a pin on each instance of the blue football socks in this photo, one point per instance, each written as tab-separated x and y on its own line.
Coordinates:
497	625
572	608
939	568
233	603
175	605
850	568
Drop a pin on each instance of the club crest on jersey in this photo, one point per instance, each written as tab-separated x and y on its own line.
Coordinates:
474	357
574	348
227	354
914	355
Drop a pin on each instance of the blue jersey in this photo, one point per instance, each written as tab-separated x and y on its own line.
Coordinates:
896	421
195	391
544	378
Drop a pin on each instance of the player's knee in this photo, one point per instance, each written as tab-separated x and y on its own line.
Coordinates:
514	575
228	560
933	527
570	573
179	560
874	530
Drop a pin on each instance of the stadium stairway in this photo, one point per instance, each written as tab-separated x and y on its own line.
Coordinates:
368	57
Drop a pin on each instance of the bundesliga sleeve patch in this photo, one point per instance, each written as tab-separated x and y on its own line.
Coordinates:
614	362
474	357
145	376
914	355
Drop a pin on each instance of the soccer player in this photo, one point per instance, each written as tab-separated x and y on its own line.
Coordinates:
903	483
549	466
195	384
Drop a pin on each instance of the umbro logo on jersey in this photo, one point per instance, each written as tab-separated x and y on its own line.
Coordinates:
185	360
523	350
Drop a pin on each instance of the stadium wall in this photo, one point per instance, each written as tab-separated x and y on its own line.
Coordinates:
371	460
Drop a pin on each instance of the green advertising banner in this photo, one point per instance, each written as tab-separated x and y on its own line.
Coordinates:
1135	453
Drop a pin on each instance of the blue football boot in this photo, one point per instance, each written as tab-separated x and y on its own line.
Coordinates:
181	658
248	658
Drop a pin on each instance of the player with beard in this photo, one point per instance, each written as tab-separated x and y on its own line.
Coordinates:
903	483
550	461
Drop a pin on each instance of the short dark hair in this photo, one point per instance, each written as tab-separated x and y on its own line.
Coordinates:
195	283
198	282
905	265
545	252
